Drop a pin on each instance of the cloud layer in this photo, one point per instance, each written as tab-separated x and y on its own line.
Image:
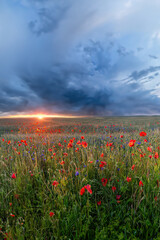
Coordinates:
79	57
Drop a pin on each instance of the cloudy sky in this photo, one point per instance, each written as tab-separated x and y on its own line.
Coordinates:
83	57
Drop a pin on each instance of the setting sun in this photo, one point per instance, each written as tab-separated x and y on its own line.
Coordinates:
40	116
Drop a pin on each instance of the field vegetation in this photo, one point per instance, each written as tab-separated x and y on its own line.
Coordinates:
82	178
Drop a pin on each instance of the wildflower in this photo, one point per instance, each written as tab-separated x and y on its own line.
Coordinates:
113	189
156	155
77	173
118	197
13	175
142	134
12	215
70	145
82	191
133	166
65	154
131	144
84	144
82	137
55	183
149	149
128	179
103	163
104	181
88	187
140	183
99	203
51	214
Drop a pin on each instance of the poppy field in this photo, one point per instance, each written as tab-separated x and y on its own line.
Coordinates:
80	178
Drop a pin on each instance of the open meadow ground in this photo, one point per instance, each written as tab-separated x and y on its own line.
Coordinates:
82	178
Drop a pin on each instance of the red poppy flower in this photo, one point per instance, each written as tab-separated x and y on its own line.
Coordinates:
13	175
55	183
156	155
118	197
142	134
104	181
65	154
99	203
84	144
113	189
12	215
103	163
88	187
82	191
140	183
70	145
131	143
51	214
128	179
133	166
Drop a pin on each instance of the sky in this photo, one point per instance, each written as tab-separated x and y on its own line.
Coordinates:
83	57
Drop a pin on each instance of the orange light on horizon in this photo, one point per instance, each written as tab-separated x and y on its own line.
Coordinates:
40	116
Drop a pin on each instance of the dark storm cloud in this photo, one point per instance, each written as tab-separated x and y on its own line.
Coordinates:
143	73
48	20
122	51
75	57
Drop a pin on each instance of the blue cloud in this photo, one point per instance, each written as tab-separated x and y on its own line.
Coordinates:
79	57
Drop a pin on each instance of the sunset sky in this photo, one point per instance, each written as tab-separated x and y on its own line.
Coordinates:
80	57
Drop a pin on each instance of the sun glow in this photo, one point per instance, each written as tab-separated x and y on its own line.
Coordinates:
40	116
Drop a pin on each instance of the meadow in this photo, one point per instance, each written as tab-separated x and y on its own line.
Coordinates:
80	178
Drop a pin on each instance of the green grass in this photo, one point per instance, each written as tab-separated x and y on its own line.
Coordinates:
30	197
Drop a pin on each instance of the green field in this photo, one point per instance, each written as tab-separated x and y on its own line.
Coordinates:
80	178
